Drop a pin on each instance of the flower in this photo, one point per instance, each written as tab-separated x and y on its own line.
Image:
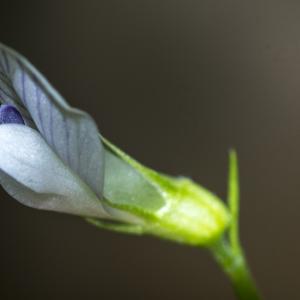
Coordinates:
52	157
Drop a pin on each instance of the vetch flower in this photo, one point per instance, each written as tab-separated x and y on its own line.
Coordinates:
52	157
50	154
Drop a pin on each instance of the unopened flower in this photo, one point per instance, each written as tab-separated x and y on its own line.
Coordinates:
52	157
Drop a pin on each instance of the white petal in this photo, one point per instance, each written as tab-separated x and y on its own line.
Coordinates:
34	175
71	133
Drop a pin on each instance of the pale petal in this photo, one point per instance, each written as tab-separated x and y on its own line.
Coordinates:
71	133
33	174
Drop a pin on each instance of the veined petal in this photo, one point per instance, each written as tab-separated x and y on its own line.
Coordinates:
71	133
34	175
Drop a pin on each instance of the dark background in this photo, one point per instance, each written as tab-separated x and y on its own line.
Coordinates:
175	84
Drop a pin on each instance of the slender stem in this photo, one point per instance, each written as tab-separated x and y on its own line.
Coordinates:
234	201
235	266
228	251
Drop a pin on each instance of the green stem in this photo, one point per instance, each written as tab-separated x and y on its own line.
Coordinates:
235	266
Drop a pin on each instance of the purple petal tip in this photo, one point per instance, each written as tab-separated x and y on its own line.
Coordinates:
10	115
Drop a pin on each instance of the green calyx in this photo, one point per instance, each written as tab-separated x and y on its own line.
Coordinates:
191	215
172	208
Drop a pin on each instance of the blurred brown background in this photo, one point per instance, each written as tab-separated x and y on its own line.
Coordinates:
175	84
